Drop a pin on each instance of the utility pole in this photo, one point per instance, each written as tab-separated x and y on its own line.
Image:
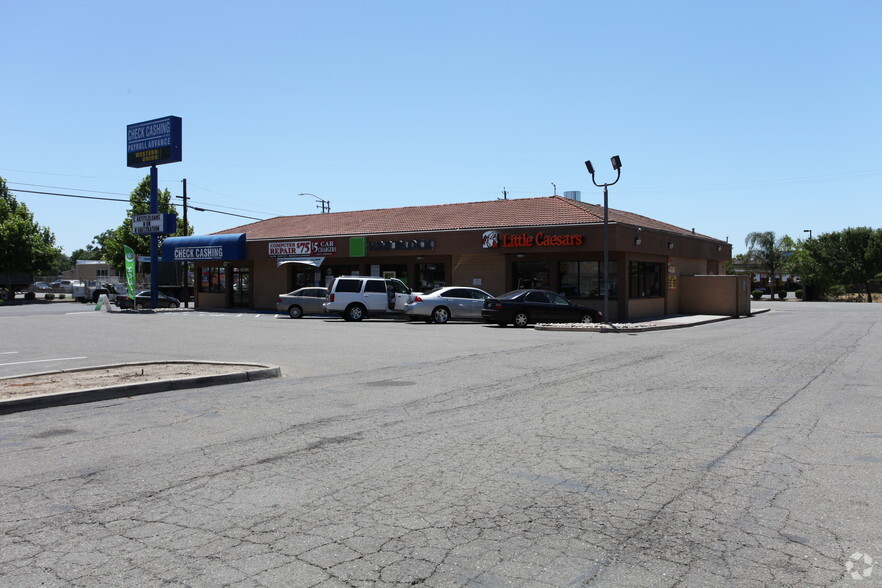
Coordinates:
186	263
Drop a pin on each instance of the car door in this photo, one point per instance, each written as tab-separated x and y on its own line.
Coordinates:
312	300
538	306
467	302
376	296
458	301
561	309
476	302
399	294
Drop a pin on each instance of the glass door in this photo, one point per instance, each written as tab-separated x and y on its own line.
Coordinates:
241	287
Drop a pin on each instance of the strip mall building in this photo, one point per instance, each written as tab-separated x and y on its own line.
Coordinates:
554	243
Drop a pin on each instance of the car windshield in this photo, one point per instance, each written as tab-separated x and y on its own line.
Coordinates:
512	295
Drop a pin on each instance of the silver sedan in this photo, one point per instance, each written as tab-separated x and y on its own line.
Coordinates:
302	301
443	304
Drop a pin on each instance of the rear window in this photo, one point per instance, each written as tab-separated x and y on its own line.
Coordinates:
511	295
344	285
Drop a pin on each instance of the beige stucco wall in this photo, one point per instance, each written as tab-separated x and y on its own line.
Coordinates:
722	295
641	308
469	267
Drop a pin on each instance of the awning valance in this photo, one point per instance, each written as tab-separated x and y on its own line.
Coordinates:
204	247
313	261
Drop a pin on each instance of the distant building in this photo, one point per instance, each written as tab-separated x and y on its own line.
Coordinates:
90	271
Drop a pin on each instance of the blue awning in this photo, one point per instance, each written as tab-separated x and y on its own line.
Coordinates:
204	247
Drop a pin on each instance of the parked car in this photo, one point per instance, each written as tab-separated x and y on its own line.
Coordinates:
450	302
357	297
39	287
524	307
302	301
142	300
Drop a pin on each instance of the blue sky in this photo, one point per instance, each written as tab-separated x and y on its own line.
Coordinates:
729	117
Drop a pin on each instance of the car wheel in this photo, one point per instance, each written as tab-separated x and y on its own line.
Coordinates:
586	318
521	319
172	304
354	312
139	306
295	312
440	315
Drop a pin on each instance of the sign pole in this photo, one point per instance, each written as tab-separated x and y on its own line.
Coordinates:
154	239
186	264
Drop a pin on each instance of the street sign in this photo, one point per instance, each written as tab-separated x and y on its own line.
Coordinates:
154	224
154	142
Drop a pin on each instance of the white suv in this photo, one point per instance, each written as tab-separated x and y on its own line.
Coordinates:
356	297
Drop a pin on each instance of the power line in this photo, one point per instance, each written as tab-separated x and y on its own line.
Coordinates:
125	200
66	188
69	195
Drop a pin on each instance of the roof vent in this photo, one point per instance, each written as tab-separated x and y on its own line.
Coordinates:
573	195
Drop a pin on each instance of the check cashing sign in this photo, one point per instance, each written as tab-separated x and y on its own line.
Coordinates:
154	142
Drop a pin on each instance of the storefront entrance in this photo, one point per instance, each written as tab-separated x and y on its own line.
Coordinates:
241	278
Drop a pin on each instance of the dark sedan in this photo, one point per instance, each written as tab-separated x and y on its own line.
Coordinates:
142	300
524	307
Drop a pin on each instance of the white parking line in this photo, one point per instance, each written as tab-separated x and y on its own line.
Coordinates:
7	352
43	360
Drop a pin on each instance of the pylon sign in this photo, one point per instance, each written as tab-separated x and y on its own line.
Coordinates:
154	142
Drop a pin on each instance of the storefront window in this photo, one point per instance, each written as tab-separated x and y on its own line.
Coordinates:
645	279
531	274
305	276
582	279
429	275
213	279
398	271
329	272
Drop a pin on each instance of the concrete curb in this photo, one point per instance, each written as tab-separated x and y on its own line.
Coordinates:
260	372
637	328
660	324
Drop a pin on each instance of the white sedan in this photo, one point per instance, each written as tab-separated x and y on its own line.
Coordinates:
443	304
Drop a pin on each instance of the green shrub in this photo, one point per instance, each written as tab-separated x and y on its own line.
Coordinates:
799	294
30	296
50	296
782	294
61	296
757	294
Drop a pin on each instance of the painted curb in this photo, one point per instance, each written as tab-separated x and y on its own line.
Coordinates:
259	372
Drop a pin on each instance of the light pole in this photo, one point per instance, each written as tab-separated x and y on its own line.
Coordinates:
325	205
617	165
805	283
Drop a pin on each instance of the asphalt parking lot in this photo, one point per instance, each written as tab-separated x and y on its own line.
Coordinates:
742	452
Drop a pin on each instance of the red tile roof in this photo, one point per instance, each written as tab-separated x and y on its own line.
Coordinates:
491	214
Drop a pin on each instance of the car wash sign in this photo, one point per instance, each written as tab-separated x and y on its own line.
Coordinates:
154	142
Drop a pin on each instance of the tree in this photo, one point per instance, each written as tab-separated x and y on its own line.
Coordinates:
768	253
851	257
95	249
25	246
113	241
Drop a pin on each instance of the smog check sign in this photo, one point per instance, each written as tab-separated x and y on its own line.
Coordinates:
154	142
